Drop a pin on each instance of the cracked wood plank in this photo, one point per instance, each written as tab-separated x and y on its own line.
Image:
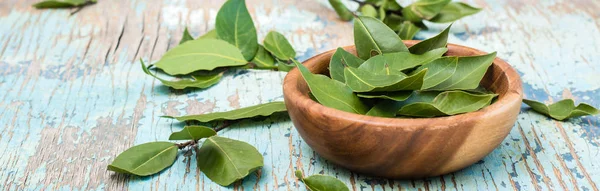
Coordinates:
72	96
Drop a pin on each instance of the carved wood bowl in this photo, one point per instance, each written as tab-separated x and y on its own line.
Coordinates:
403	148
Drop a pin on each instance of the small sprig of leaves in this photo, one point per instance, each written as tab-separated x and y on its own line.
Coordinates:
232	44
216	155
63	3
562	109
406	21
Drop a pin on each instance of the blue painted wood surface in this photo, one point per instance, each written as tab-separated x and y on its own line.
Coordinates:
73	96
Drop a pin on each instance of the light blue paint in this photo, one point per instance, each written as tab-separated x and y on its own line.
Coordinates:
40	39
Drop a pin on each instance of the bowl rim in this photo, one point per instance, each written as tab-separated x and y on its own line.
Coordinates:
513	93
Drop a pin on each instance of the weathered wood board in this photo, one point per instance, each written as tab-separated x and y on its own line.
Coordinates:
73	96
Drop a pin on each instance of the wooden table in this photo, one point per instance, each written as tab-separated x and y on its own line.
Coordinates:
73	96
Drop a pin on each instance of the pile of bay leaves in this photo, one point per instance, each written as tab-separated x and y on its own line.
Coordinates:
387	79
233	44
407	21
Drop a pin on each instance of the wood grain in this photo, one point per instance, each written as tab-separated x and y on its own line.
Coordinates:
72	95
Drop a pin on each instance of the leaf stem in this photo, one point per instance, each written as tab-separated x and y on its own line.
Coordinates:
225	125
185	144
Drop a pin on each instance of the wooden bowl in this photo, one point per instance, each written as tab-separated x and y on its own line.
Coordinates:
404	148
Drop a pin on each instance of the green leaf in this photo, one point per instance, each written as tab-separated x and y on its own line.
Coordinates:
234	25
423	9
62	3
368	10
379	66
445	103
186	36
438	71
396	96
322	182
225	160
145	159
407	30
468	74
393	21
562	109
371	36
360	80
404	60
438	41
412	82
200	54
242	113
263	58
454	11
382	12
285	67
340	58
211	34
341	10
332	93
199	81
385	108
392	5
193	133
279	46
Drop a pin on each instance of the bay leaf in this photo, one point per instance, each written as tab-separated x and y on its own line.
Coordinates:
446	103
225	160
279	46
439	71
234	25
343	12
412	82
438	41
563	109
404	60
393	21
372	36
62	3
211	34
285	67
385	108
368	10
423	9
332	93
320	182
382	12
199	81
265	109
392	5
396	96
407	30
379	66
186	36
469	72
145	159
454	11
200	54
340	58
193	132
263	58
360	80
